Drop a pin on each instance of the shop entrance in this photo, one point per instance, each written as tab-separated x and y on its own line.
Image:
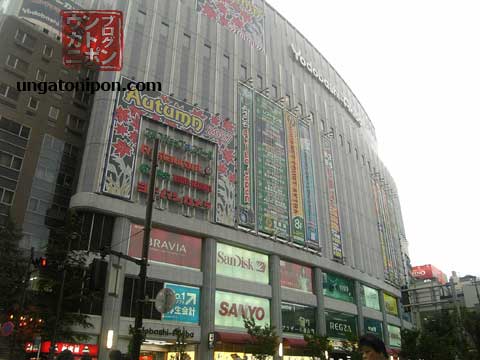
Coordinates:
162	350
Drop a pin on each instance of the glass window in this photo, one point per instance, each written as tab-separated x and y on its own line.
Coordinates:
186	41
17	63
322	125
33	204
243	72
25	39
275	91
349	147
9	92
287	100
7	196
16	163
41	75
75	122
5	159
363	159
53	112
226	62
341	139
33	103
25	132
48	50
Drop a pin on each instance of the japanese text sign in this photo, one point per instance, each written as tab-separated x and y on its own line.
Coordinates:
187	304
92	38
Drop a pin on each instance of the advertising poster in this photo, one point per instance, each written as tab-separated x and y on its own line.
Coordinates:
242	264
295	180
230	309
310	203
395	336
243	18
341	326
167	247
370	297
374	327
133	107
390	304
46	12
272	185
246	187
298	319
338	287
336	234
295	276
187	304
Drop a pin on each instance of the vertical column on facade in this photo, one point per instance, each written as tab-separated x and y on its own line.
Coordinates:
400	312
112	301
386	338
321	328
358	296
207	303
276	301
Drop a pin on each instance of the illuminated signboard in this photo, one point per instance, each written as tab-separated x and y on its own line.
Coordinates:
242	264
298	319
341	326
370	297
395	336
187	304
338	287
230	309
374	327
76	349
390	304
295	276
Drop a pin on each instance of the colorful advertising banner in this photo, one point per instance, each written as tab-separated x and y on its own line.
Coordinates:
167	247
242	17
310	203
338	287
390	304
370	297
395	336
295	276
132	106
374	327
187	304
341	326
336	234
242	264
272	185
298	319
230	309
246	187
429	272
295	180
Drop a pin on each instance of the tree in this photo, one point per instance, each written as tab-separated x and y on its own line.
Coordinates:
410	344
471	324
317	345
264	339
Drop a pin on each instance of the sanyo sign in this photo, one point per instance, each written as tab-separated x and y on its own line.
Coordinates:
308	65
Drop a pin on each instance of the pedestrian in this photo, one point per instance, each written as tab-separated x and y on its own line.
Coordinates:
372	348
115	355
65	355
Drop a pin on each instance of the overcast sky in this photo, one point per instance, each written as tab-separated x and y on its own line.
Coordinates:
415	67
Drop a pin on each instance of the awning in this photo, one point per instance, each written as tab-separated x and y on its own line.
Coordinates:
294	342
232	338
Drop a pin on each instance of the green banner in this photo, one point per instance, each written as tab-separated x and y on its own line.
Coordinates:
272	185
246	189
374	327
370	297
341	326
338	287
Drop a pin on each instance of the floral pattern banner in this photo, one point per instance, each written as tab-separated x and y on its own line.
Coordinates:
131	106
241	17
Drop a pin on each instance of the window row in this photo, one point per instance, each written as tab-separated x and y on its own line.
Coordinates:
29	42
6	196
14	127
10	161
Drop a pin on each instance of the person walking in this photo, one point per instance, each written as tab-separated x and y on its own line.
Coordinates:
372	348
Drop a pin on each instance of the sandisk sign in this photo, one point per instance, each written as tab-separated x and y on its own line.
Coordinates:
231	309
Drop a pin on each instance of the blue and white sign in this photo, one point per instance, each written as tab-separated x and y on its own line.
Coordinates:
187	304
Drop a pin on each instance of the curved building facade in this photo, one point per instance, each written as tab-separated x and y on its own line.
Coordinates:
271	200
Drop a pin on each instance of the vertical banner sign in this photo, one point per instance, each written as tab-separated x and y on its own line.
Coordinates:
296	196
243	18
272	186
336	235
310	203
133	105
246	188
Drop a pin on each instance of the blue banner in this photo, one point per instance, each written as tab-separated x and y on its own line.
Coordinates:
187	305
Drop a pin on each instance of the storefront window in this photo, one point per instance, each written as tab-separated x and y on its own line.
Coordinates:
298	319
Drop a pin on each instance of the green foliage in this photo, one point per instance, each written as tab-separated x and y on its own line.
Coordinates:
265	340
317	345
471	324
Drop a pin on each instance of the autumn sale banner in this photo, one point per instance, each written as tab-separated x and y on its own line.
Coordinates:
241	17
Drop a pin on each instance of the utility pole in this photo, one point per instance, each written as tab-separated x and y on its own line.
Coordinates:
142	283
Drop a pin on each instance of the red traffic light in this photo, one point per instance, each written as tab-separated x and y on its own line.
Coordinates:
43	262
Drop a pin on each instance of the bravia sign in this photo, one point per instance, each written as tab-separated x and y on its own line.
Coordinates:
167	247
231	309
242	264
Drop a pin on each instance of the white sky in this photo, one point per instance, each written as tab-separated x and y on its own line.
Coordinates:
415	67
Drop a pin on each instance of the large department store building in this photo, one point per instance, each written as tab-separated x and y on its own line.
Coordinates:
271	199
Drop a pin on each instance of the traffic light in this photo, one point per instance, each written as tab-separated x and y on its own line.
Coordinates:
43	262
98	274
40	262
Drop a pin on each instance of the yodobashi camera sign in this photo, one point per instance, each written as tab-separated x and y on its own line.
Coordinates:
231	309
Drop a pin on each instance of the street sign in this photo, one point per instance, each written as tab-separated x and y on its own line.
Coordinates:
211	340
7	328
165	300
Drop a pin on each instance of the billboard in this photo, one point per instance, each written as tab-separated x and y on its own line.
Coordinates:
341	326
429	272
244	18
370	297
46	12
295	276
310	204
338	287
230	309
246	187
242	264
298	319
187	304
395	336
390	304
374	327
333	213
272	184
295	180
133	107
167	247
